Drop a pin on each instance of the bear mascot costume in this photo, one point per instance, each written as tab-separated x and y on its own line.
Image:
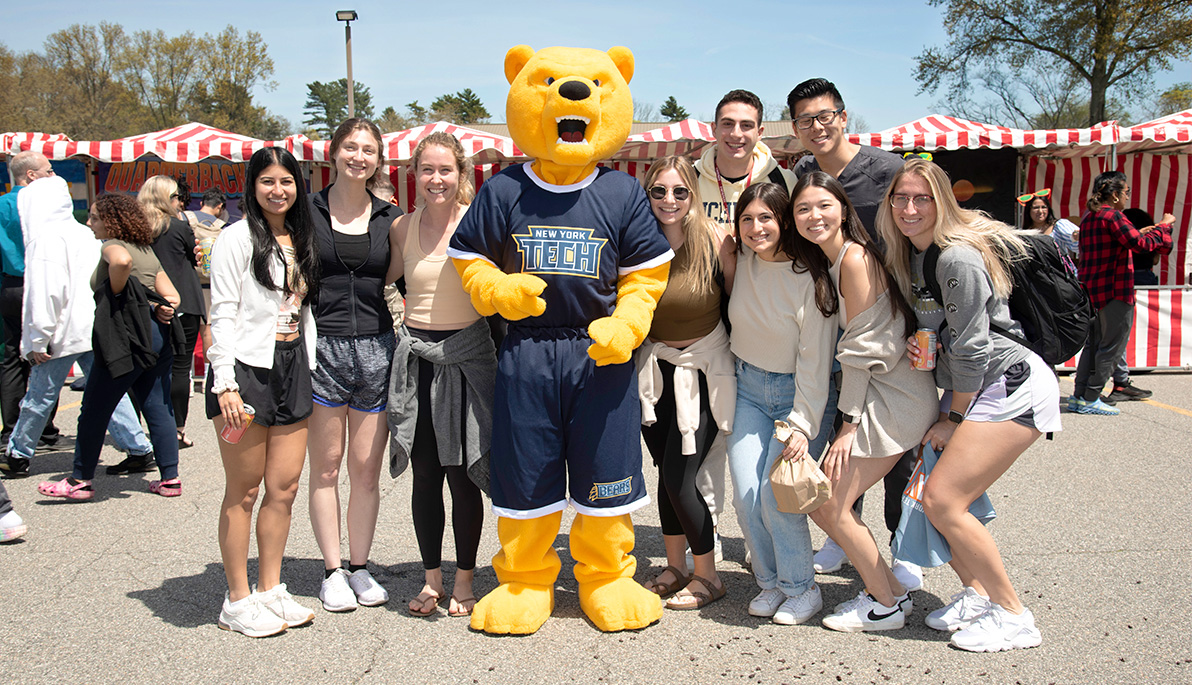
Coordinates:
571	256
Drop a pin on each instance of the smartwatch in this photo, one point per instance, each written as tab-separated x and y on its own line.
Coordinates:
955	417
849	418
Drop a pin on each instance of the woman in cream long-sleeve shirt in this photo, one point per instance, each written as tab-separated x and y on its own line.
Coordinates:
782	335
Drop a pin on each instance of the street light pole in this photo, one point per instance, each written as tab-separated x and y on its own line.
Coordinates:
347	17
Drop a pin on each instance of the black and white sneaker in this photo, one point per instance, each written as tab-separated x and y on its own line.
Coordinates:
864	613
14	467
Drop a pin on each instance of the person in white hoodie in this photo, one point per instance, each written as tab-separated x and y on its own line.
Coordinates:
59	310
737	160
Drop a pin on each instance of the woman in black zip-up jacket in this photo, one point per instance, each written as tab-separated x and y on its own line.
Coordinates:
353	351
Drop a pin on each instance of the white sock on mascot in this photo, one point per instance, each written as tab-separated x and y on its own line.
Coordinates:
572	257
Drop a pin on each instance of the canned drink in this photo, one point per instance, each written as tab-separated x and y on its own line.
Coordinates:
232	435
926	340
205	260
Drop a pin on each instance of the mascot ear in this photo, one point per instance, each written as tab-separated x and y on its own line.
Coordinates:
517	57
621	57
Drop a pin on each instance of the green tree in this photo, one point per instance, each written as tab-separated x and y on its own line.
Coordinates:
391	121
463	107
1009	47
327	104
1175	99
672	111
163	71
79	83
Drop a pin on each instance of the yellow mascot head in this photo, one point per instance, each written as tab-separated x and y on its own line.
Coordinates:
569	106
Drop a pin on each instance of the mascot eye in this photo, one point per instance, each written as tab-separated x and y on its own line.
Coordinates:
550	80
597	82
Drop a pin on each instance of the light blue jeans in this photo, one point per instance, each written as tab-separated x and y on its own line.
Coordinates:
780	544
45	382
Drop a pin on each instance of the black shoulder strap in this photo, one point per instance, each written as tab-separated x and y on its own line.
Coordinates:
930	258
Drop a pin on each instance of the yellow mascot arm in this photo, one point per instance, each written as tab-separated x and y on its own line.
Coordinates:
614	338
513	296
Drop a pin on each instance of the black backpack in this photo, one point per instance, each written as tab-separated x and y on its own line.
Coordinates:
1047	300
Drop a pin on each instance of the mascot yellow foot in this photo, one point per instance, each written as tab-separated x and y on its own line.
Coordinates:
608	594
527	567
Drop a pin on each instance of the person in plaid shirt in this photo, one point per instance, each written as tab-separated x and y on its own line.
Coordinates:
1107	239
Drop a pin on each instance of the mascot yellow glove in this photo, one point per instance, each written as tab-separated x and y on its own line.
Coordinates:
513	296
614	338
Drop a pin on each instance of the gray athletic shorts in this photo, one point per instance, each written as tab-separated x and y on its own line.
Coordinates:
353	371
1027	393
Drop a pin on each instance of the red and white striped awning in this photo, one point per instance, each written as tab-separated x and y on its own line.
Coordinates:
685	137
12	143
939	132
187	143
1172	133
483	148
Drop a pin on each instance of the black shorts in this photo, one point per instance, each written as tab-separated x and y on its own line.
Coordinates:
280	395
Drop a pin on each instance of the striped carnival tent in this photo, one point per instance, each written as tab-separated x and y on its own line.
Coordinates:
1157	158
187	143
483	148
12	143
687	137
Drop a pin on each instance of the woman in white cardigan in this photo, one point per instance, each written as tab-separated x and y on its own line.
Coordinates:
886	405
263	272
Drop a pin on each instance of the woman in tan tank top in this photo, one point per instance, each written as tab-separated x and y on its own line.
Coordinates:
439	316
686	345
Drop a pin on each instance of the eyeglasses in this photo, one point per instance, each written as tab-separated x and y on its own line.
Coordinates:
659	193
921	155
1024	199
824	118
901	201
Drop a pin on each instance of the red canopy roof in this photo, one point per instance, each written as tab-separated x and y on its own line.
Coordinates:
186	143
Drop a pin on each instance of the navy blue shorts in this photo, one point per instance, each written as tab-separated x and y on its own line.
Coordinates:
563	425
353	371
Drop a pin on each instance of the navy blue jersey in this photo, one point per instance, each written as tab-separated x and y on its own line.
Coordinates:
578	238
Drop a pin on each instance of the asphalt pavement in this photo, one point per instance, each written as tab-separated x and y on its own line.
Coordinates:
126	588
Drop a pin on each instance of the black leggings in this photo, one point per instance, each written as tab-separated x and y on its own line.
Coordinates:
467	504
681	507
183	365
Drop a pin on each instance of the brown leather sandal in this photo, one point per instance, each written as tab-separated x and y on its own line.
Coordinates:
667	589
702	599
427	603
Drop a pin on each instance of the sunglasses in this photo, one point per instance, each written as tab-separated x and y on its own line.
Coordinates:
1024	199
922	155
659	193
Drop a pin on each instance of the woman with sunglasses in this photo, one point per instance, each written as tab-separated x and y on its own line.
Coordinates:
686	380
999	396
1037	215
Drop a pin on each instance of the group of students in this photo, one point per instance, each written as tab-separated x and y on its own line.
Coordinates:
802	312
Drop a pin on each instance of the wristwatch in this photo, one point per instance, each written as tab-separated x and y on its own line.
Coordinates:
955	417
849	418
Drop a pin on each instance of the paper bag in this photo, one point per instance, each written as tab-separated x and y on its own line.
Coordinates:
798	484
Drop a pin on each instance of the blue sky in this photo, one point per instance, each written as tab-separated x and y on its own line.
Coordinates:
694	50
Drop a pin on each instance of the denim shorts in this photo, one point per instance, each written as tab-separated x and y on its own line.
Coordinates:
353	371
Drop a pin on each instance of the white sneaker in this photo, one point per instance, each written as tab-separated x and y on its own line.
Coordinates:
12	526
336	594
830	558
998	630
796	610
717	552
863	612
910	575
368	591
281	602
250	617
766	602
964	608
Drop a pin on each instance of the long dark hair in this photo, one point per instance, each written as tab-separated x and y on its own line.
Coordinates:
265	247
1105	187
817	262
1028	222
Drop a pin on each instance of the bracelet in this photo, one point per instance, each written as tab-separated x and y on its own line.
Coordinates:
955	417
